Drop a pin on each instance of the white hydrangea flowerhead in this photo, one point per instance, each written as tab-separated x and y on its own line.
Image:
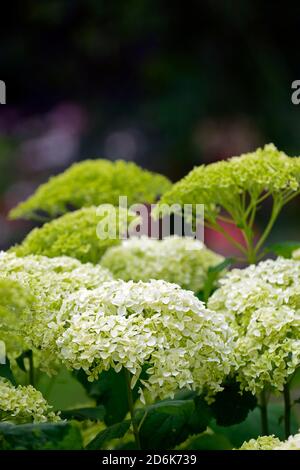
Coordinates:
262	304
154	324
272	443
261	443
48	280
292	443
180	260
24	404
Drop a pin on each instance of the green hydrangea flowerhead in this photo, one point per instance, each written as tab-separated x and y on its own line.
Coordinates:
183	261
296	254
49	280
221	185
261	443
24	404
75	234
262	305
154	324
91	183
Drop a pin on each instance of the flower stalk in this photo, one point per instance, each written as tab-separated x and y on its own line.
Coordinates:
134	424
264	413
287	410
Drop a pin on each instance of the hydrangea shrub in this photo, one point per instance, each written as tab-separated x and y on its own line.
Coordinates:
157	366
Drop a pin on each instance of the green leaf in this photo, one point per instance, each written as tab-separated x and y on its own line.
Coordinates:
212	276
251	427
232	407
116	431
208	442
200	417
63	391
110	390
168	423
6	372
284	249
81	414
44	436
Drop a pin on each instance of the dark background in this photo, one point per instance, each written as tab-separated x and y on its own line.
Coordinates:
168	84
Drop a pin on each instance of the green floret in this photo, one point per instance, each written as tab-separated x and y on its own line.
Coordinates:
233	190
91	183
74	234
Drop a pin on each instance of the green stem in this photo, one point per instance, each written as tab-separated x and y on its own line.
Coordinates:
31	369
264	413
287	410
275	211
134	424
228	237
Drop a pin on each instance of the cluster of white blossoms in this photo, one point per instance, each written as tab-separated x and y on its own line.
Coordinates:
48	280
181	260
261	443
24	404
292	443
155	324
262	305
272	443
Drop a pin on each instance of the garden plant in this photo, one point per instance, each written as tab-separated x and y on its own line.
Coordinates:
142	343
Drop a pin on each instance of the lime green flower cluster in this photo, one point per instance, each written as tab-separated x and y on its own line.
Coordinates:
220	185
262	305
14	299
24	404
233	191
91	183
75	234
183	261
49	280
158	324
272	443
261	443
296	254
